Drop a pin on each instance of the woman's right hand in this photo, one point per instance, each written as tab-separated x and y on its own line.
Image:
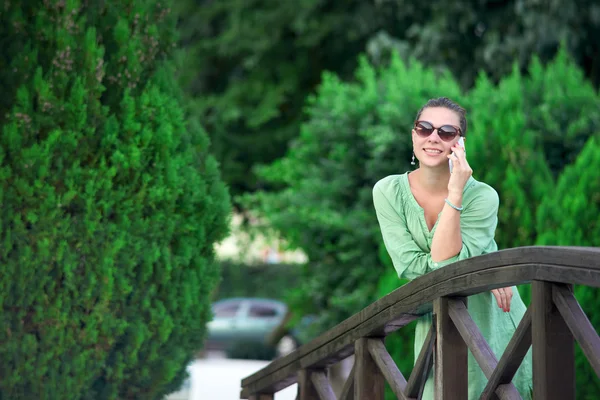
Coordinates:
461	170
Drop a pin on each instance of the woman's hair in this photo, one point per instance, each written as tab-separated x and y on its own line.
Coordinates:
450	105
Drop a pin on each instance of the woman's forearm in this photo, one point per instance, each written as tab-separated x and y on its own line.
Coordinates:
447	240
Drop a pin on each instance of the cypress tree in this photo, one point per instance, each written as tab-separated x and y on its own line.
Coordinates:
570	218
110	200
505	153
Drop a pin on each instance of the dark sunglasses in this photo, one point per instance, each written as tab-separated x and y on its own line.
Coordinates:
445	132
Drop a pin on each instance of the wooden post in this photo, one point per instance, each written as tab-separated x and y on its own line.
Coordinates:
553	348
450	369
369	383
306	389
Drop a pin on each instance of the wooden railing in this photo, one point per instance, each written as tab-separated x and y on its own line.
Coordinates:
552	322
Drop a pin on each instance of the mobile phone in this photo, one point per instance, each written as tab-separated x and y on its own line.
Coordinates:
461	142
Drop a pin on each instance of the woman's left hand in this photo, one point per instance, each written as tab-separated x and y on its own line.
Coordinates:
503	297
461	170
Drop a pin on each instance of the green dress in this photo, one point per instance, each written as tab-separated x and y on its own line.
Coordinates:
408	241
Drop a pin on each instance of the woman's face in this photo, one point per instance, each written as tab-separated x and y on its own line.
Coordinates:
432	151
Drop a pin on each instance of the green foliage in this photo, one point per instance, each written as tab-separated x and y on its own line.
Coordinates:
563	107
110	205
272	281
250	64
570	218
531	127
499	132
251	350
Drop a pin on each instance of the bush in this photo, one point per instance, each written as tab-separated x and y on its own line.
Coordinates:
570	218
251	350
259	280
110	205
531	127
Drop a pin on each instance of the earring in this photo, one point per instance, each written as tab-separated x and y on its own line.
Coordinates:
413	160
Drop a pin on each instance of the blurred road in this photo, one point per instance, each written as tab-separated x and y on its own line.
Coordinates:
218	378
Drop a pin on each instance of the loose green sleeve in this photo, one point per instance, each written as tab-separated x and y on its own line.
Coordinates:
478	224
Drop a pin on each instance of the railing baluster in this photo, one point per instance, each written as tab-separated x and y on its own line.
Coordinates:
348	389
479	347
579	324
306	388
369	383
423	365
451	380
511	359
321	384
387	366
553	348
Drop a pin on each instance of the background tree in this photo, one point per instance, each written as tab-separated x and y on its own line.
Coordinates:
506	154
251	64
570	218
111	204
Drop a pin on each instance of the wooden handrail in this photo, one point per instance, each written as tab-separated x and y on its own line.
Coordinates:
541	265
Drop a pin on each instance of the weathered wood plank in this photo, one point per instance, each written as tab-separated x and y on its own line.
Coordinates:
579	324
586	258
420	371
341	346
306	389
321	384
348	389
553	348
428	368
387	366
450	372
369	383
511	359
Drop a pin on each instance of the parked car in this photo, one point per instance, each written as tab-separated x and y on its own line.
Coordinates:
248	320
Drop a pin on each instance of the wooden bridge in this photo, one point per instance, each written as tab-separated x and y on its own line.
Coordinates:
552	323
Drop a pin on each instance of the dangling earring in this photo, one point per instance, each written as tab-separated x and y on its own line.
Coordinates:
413	160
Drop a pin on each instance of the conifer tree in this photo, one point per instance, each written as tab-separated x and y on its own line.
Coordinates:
111	204
569	217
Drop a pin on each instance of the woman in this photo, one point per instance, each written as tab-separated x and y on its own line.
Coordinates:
432	217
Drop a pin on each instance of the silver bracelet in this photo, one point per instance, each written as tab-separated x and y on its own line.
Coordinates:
452	205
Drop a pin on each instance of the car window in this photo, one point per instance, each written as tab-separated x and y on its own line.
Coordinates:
262	311
226	310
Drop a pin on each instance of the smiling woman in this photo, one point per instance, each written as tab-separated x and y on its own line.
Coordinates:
432	217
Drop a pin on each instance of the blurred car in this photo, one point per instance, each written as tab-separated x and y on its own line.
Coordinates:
247	320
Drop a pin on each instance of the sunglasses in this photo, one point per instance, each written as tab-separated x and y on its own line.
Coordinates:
445	132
